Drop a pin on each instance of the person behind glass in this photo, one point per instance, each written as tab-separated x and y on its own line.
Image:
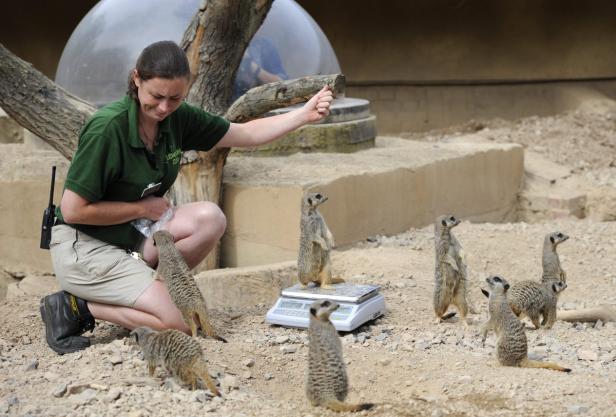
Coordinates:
261	64
128	156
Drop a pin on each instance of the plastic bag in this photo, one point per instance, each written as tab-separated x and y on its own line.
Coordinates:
147	227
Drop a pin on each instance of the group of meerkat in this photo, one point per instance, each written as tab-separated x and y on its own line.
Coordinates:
507	303
327	381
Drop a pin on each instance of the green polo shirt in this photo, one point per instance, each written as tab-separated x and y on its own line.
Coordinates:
112	163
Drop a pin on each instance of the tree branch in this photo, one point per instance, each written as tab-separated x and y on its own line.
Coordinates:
259	100
40	105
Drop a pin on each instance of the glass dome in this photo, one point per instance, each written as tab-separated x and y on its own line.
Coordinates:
105	45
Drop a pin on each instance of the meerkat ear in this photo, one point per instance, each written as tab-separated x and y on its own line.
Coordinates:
555	287
310	201
444	223
506	287
135	336
552	239
313	311
487	294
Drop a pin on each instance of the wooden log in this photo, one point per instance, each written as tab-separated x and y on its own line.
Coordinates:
605	313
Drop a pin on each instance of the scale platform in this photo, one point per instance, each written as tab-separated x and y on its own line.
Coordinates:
358	304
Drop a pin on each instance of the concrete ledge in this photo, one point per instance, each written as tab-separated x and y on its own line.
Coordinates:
248	286
384	190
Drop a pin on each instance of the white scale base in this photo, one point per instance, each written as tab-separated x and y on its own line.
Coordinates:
358	304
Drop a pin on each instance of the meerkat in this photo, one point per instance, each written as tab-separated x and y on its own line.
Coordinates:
327	383
552	271
179	353
536	299
450	271
511	346
183	289
315	244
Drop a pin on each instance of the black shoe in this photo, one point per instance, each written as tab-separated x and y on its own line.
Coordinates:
66	318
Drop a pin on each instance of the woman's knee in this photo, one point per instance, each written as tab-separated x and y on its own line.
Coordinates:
211	217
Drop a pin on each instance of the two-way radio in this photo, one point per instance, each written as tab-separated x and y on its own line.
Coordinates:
49	215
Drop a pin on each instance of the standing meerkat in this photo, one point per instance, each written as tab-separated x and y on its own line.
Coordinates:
315	244
178	352
183	289
327	383
450	271
536	299
552	271
511	346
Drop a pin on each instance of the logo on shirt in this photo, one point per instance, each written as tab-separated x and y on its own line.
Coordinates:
174	157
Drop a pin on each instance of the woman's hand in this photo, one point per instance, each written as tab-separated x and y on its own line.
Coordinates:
317	107
154	207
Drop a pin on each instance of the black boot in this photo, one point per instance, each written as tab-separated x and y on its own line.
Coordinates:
66	318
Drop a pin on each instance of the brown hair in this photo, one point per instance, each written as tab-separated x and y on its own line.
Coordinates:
164	59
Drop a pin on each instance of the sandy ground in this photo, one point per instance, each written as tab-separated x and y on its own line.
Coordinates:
404	362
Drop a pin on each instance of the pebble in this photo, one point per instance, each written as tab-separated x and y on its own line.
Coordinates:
267	376
199	396
84	397
171	385
286	349
577	409
113	395
59	390
281	340
587	355
229	383
115	359
32	365
249	363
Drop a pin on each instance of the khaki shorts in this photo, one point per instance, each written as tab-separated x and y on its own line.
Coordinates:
95	270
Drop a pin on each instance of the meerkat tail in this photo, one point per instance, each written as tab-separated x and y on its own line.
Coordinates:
207	327
527	363
201	370
336	405
604	313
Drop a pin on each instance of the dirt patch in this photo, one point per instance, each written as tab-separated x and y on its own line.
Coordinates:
403	361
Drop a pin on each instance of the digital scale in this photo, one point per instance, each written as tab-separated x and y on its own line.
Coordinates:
358	304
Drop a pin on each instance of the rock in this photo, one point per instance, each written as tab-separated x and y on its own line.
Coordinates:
577	409
267	376
381	337
281	340
437	413
229	383
286	349
32	365
587	355
84	397
601	204
200	396
171	385
249	363
112	395
59	390
115	359
384	362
